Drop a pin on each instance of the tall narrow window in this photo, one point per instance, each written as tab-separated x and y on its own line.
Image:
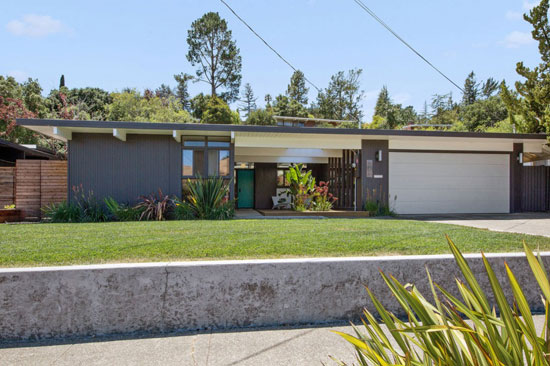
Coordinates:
213	167
223	163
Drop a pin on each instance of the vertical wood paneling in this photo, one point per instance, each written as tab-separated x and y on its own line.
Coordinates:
535	188
7	187
341	179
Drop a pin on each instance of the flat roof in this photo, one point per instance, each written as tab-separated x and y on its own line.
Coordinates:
36	124
28	151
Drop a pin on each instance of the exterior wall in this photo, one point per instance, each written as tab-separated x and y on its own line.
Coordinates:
515	178
125	170
377	185
104	299
265	184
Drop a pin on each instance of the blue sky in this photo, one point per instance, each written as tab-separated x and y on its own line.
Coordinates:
141	44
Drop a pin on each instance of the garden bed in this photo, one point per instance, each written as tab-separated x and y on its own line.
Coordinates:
10	215
331	213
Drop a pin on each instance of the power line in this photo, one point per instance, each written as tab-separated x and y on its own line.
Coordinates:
372	14
267	44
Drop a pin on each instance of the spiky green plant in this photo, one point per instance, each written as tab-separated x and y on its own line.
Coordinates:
453	331
207	200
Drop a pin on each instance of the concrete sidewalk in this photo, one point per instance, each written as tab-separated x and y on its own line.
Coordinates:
534	223
282	346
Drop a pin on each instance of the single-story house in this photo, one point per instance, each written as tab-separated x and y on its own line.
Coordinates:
416	172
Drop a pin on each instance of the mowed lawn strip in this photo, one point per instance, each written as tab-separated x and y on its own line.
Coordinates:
63	244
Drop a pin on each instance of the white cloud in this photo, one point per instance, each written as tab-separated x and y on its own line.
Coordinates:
517	39
33	25
18	75
514	15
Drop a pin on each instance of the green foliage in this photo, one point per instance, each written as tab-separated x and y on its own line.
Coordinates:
323	200
121	212
82	208
182	90
217	111
62	212
532	96
248	100
284	106
132	106
157	207
261	117
297	89
207	199
212	48
471	89
301	186
454	331
342	98
62	81
388	115
483	114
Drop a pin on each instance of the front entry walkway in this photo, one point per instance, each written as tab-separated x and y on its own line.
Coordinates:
533	223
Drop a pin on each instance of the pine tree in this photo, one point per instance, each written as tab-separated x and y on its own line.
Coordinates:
383	103
297	89
489	87
532	96
62	81
471	89
248	100
182	90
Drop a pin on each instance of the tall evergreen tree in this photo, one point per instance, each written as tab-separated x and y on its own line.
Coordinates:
297	89
62	81
489	87
383	103
532	96
182	89
471	89
212	48
342	98
163	91
248	100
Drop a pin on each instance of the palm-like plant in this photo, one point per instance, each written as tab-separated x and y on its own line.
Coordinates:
207	200
453	331
155	207
302	185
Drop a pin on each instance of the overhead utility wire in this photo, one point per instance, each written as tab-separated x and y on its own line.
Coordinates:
372	14
267	44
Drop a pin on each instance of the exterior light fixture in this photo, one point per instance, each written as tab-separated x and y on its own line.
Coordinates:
520	158
378	155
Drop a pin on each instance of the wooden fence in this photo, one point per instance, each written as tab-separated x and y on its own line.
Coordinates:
7	186
39	183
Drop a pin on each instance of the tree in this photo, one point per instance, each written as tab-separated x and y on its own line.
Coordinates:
383	103
489	87
163	91
216	54
261	117
531	98
471	89
297	89
268	100
62	81
284	106
182	90
342	98
483	114
217	111
248	100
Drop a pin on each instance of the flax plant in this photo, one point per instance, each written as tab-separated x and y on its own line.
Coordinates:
456	331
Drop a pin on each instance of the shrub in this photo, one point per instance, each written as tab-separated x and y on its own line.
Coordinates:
301	187
121	212
261	117
207	199
451	331
83	208
62	212
155	207
323	200
217	111
375	207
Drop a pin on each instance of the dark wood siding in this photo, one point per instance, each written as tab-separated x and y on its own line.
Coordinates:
535	188
125	170
265	184
375	188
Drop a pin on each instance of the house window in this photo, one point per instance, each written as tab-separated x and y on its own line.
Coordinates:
206	156
282	182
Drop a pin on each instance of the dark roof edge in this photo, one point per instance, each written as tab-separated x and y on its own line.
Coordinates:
278	129
26	150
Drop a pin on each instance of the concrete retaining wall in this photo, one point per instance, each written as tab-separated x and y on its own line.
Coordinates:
103	299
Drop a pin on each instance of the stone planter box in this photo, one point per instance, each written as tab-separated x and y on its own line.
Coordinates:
10	215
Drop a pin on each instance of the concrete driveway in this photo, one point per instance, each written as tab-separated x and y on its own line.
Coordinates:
523	223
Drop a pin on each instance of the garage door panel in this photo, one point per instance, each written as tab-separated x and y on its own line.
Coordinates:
426	183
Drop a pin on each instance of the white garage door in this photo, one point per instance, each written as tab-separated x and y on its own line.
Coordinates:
431	183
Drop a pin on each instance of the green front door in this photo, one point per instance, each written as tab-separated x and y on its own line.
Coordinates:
245	188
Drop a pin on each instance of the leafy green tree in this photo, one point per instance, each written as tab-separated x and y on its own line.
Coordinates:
182	90
489	87
93	101
297	89
217	111
471	89
212	48
483	114
284	106
342	98
198	105
62	81
164	91
261	117
532	96
248	100
444	109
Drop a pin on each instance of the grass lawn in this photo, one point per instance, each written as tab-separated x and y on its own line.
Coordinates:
57	244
